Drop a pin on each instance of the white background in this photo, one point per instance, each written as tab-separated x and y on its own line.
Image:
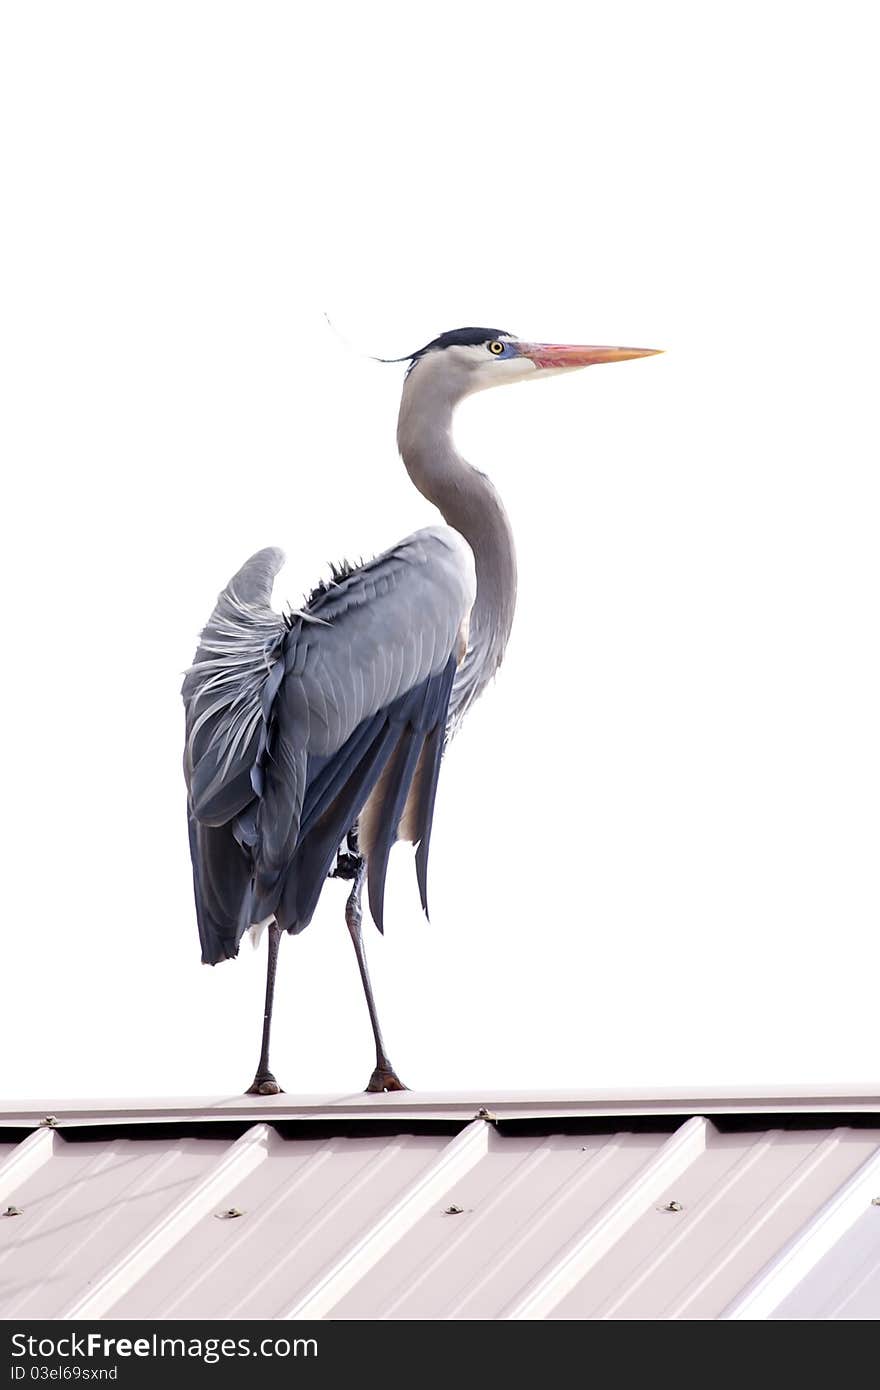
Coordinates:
655	851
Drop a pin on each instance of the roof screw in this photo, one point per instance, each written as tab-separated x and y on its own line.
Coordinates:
484	1114
50	1121
875	1201
229	1214
12	1211
453	1211
671	1206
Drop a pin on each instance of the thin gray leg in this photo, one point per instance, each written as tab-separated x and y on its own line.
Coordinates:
384	1077
264	1083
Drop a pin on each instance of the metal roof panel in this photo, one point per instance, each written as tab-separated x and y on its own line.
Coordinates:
576	1205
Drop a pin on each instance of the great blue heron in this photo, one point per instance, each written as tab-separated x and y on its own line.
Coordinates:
314	738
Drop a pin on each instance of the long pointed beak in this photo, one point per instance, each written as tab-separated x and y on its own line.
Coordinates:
567	355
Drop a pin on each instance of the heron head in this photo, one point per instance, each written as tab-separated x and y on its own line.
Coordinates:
466	360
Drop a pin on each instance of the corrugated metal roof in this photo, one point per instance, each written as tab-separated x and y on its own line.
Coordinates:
729	1205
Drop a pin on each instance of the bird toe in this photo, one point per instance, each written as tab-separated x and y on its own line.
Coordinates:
385	1079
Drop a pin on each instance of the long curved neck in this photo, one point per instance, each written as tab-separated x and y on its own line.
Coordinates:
470	504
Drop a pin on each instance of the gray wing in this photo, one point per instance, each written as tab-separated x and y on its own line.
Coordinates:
239	648
294	726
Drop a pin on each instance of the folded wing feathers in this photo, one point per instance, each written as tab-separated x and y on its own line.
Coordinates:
419	750
433	754
317	847
223	688
396	790
289	733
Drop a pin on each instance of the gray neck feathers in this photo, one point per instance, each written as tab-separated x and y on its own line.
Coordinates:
470	504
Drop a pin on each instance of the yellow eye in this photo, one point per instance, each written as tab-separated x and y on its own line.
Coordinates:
496	348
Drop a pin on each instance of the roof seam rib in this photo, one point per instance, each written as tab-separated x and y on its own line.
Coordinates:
556	1202
25	1159
387	1158
787	1186
806	1248
229	1250
240	1160
464	1151
619	1212
468	1232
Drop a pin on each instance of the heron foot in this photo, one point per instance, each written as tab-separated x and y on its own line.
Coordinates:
264	1084
385	1078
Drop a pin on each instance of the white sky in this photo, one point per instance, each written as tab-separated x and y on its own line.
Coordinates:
655	848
